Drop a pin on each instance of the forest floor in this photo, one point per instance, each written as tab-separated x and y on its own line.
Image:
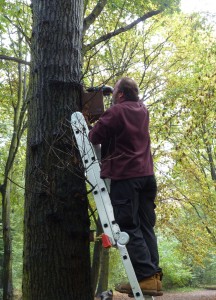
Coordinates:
194	295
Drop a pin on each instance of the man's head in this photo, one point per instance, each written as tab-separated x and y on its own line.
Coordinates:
125	89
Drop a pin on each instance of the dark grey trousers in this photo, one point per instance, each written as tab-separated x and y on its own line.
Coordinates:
134	211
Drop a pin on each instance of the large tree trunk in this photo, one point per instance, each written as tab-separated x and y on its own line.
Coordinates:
56	231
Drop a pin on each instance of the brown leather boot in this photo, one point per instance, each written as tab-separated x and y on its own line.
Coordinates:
159	279
149	286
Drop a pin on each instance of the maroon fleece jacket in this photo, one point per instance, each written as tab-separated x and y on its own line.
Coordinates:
123	132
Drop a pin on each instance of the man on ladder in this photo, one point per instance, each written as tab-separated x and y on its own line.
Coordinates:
123	132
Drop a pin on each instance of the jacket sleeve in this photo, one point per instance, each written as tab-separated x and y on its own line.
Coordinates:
105	128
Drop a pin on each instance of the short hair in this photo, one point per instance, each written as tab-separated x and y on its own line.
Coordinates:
129	88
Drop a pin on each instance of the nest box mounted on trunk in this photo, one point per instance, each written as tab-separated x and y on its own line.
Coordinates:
93	102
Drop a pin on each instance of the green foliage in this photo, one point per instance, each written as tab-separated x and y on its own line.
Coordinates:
176	271
117	272
205	275
17	14
13	93
17	207
1	249
17	224
187	107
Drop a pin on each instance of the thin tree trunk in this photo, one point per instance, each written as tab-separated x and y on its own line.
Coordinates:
104	271
96	257
19	120
56	231
7	241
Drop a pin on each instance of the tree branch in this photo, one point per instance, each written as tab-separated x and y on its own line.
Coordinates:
28	40
1	188
210	155
18	60
93	15
109	35
22	187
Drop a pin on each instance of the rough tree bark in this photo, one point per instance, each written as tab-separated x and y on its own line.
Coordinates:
56	229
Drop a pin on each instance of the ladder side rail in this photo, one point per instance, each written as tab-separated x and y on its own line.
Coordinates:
91	154
102	199
92	168
137	292
100	187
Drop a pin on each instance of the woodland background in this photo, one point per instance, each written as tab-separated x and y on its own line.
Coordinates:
172	56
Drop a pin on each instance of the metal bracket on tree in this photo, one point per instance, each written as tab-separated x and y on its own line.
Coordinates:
112	235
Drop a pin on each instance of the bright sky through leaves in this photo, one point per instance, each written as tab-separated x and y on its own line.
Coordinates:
189	6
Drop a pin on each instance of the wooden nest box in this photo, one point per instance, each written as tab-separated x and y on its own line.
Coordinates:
93	102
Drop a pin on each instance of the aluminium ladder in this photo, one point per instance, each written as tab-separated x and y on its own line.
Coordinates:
112	235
